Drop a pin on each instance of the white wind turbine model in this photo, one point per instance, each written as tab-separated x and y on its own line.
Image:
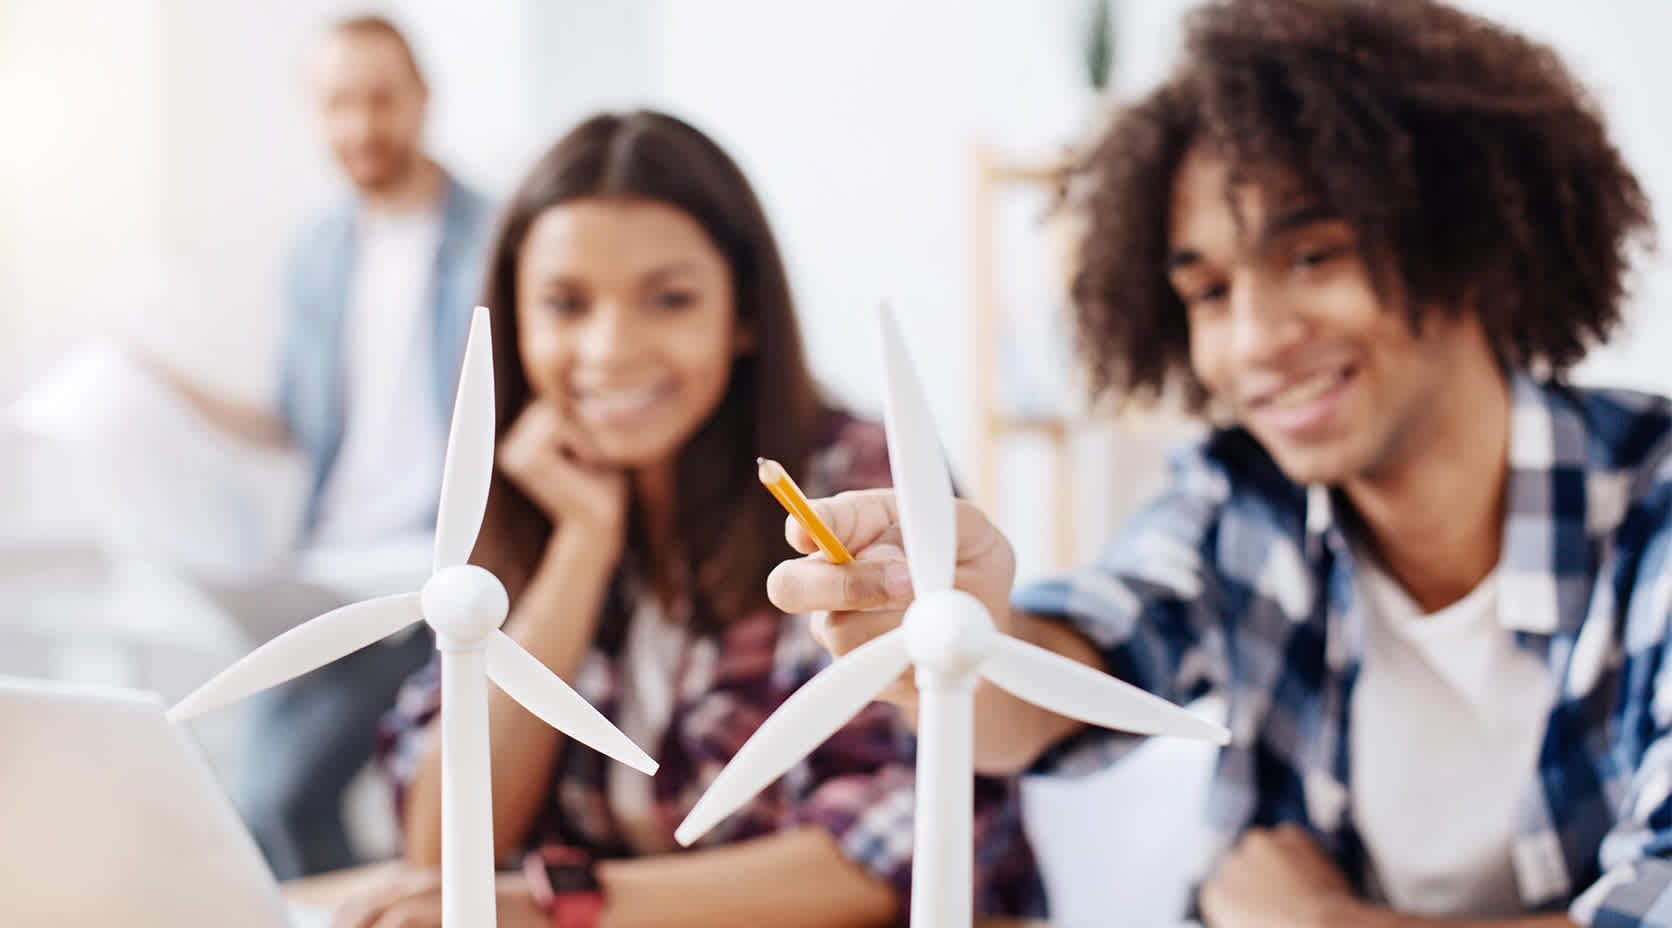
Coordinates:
949	638
466	606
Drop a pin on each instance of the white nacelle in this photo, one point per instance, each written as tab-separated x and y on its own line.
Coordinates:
464	604
949	632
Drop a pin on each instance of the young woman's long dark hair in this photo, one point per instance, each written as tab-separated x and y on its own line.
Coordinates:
728	528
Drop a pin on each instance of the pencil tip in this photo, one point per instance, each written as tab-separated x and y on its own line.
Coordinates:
760	460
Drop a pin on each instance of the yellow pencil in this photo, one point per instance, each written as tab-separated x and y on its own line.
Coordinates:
777	480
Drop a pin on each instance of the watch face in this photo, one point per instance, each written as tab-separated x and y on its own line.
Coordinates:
571	878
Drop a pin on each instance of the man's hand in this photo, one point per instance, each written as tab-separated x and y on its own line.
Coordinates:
856	602
241	420
1276	878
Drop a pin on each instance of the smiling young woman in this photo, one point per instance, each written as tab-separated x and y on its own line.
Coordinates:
646	355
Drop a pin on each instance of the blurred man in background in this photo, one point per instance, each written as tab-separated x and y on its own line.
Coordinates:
380	290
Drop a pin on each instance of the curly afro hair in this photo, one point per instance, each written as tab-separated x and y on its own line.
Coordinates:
1466	156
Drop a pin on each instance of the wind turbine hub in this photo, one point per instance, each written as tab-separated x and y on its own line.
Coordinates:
949	631
464	604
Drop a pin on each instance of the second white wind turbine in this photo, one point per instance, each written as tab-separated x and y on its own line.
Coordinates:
950	640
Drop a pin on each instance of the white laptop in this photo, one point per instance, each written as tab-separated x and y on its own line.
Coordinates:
109	815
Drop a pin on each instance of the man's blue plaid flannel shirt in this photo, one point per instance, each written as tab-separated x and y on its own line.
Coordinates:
1239	582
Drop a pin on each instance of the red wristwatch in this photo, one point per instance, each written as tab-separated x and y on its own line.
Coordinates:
563	882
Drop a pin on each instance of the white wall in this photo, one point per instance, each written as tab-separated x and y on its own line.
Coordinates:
80	170
841	121
857	126
1615	49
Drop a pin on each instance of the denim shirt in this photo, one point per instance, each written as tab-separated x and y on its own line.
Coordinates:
312	374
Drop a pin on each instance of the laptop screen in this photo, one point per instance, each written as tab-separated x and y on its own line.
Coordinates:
113	817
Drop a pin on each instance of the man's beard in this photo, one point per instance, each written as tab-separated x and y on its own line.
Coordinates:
384	174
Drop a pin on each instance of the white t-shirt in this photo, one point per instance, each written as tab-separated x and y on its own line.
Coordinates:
649	667
1448	716
387	472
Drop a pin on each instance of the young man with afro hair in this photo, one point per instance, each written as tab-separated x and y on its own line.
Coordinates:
1430	579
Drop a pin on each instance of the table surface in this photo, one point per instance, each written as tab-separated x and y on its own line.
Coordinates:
329	889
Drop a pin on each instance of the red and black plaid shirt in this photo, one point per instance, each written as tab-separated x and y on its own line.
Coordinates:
858	784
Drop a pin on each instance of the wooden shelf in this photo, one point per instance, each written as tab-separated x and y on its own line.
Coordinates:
1052	174
991	176
1052	426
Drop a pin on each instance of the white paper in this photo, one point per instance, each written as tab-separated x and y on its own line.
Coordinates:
166	483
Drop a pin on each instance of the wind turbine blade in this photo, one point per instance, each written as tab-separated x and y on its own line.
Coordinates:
922	486
1068	687
533	685
312	644
811	714
470	447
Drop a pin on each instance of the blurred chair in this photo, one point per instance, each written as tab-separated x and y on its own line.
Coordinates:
55	570
1133	862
